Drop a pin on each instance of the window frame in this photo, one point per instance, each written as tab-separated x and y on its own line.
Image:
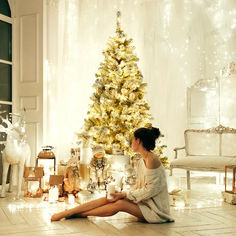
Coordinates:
9	20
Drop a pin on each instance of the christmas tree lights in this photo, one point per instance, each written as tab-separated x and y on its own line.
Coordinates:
119	106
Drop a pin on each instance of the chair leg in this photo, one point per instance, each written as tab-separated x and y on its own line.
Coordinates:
188	180
171	172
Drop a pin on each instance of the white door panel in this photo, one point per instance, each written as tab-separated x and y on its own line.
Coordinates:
28	79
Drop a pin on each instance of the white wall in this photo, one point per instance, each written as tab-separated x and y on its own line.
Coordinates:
178	42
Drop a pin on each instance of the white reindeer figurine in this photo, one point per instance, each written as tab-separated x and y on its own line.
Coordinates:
16	153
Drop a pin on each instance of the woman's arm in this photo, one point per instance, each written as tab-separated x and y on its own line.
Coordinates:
154	185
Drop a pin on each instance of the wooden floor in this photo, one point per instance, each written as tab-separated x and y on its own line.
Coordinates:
196	212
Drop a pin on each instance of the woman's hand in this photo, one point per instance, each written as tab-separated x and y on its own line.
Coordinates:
117	196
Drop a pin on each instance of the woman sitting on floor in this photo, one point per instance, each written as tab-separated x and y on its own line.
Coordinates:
149	201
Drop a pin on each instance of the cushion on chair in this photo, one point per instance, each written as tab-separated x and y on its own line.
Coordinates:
204	162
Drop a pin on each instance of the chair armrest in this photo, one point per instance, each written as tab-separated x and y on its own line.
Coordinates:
176	151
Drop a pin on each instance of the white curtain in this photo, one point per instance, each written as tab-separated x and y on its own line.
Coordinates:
178	42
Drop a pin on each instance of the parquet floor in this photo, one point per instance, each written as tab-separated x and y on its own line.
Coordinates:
196	212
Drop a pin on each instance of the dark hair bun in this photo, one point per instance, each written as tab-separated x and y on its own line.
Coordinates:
147	136
155	132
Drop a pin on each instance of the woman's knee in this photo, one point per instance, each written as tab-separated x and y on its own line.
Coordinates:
119	204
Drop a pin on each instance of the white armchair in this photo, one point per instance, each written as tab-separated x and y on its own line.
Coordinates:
206	150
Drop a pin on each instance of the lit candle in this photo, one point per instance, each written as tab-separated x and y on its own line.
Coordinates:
56	193
53	194
117	178
110	189
34	189
50	195
81	198
84	196
71	199
45	184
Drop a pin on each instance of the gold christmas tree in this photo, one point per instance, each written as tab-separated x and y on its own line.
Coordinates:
119	106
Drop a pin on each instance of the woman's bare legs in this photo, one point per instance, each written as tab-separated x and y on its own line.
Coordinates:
101	207
81	208
113	208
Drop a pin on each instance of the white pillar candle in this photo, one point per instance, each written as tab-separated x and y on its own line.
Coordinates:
53	194
50	195
56	193
45	182
34	189
71	199
110	189
84	196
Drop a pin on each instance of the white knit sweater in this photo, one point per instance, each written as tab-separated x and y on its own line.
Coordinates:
151	193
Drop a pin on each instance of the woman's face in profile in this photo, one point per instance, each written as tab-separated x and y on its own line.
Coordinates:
135	144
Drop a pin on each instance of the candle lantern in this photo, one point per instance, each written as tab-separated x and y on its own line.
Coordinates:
230	179
32	185
47	160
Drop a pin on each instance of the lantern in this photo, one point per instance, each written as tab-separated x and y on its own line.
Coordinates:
47	160
47	154
32	177
230	179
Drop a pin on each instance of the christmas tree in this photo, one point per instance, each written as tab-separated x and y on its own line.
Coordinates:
119	106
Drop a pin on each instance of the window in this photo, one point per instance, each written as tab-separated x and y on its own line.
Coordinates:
5	60
5	66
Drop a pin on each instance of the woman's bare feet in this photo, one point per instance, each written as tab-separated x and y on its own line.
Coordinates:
59	216
56	217
63	215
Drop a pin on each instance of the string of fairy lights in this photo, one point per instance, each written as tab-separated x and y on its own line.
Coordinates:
205	44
